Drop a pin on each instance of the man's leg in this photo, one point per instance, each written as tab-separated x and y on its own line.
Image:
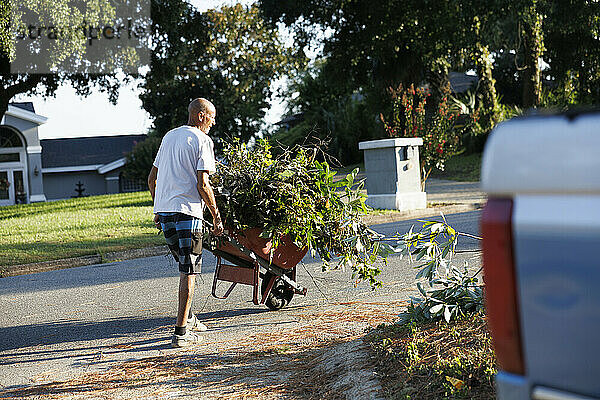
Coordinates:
184	336
186	292
177	231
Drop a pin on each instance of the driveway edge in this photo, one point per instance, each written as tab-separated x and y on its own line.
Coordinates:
23	269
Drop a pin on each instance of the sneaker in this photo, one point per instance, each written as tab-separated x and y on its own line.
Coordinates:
194	324
186	340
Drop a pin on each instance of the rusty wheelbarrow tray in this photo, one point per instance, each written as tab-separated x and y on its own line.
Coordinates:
246	253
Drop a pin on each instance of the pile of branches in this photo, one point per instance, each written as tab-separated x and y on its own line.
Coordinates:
295	194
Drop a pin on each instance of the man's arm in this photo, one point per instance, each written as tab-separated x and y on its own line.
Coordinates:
152	180
152	187
207	194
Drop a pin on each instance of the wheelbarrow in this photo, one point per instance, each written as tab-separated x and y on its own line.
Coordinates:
246	258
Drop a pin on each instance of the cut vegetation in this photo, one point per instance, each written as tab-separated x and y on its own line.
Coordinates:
435	361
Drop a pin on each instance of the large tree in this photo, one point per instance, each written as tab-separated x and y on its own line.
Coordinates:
381	44
43	45
375	44
229	56
378	45
572	42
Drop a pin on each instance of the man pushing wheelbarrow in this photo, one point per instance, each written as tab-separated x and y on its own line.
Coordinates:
179	184
275	207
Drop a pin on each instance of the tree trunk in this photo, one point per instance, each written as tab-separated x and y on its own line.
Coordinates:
4	100
533	44
487	85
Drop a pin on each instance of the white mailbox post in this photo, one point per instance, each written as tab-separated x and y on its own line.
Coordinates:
394	174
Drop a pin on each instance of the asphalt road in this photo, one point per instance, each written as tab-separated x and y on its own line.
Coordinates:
56	325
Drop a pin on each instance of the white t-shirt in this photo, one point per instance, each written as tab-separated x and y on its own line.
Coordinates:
182	152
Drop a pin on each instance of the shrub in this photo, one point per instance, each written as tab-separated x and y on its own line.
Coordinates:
409	119
140	159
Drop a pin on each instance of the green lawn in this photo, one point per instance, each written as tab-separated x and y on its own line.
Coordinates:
461	168
76	227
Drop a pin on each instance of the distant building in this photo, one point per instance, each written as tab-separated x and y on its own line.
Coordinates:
33	170
97	162
461	82
21	155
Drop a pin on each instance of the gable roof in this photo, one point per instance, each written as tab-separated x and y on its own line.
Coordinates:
86	151
26	105
24	111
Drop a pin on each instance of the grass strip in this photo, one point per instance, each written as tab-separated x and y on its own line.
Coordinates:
76	227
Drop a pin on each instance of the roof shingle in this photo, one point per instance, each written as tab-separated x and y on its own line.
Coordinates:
94	150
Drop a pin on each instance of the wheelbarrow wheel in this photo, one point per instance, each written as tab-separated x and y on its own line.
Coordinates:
280	295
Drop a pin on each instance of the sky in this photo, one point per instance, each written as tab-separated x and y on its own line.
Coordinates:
70	115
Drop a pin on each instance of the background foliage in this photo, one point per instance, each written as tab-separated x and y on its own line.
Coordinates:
229	56
331	111
525	53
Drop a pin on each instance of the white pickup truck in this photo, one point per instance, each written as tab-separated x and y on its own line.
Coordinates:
541	254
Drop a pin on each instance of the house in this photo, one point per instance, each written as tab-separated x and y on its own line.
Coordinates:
94	164
21	155
461	82
33	170
290	121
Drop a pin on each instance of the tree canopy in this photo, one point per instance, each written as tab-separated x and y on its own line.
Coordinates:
45	43
382	44
229	56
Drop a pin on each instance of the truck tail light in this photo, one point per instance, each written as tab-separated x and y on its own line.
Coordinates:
500	289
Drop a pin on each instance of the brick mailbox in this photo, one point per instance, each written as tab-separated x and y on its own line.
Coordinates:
394	174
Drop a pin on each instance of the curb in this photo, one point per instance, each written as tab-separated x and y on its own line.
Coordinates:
23	269
431	211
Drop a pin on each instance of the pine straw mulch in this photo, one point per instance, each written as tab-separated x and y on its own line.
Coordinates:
435	361
274	364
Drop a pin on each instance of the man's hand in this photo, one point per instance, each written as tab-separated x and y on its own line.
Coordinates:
218	227
157	222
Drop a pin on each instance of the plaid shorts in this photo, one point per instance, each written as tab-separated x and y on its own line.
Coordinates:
183	234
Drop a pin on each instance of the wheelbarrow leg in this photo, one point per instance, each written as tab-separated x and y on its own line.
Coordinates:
216	278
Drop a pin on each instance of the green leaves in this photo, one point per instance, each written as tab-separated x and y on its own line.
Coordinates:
294	194
229	56
453	291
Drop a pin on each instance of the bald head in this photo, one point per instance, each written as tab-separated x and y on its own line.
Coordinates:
198	110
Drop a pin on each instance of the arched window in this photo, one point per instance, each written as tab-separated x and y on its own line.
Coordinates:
9	138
